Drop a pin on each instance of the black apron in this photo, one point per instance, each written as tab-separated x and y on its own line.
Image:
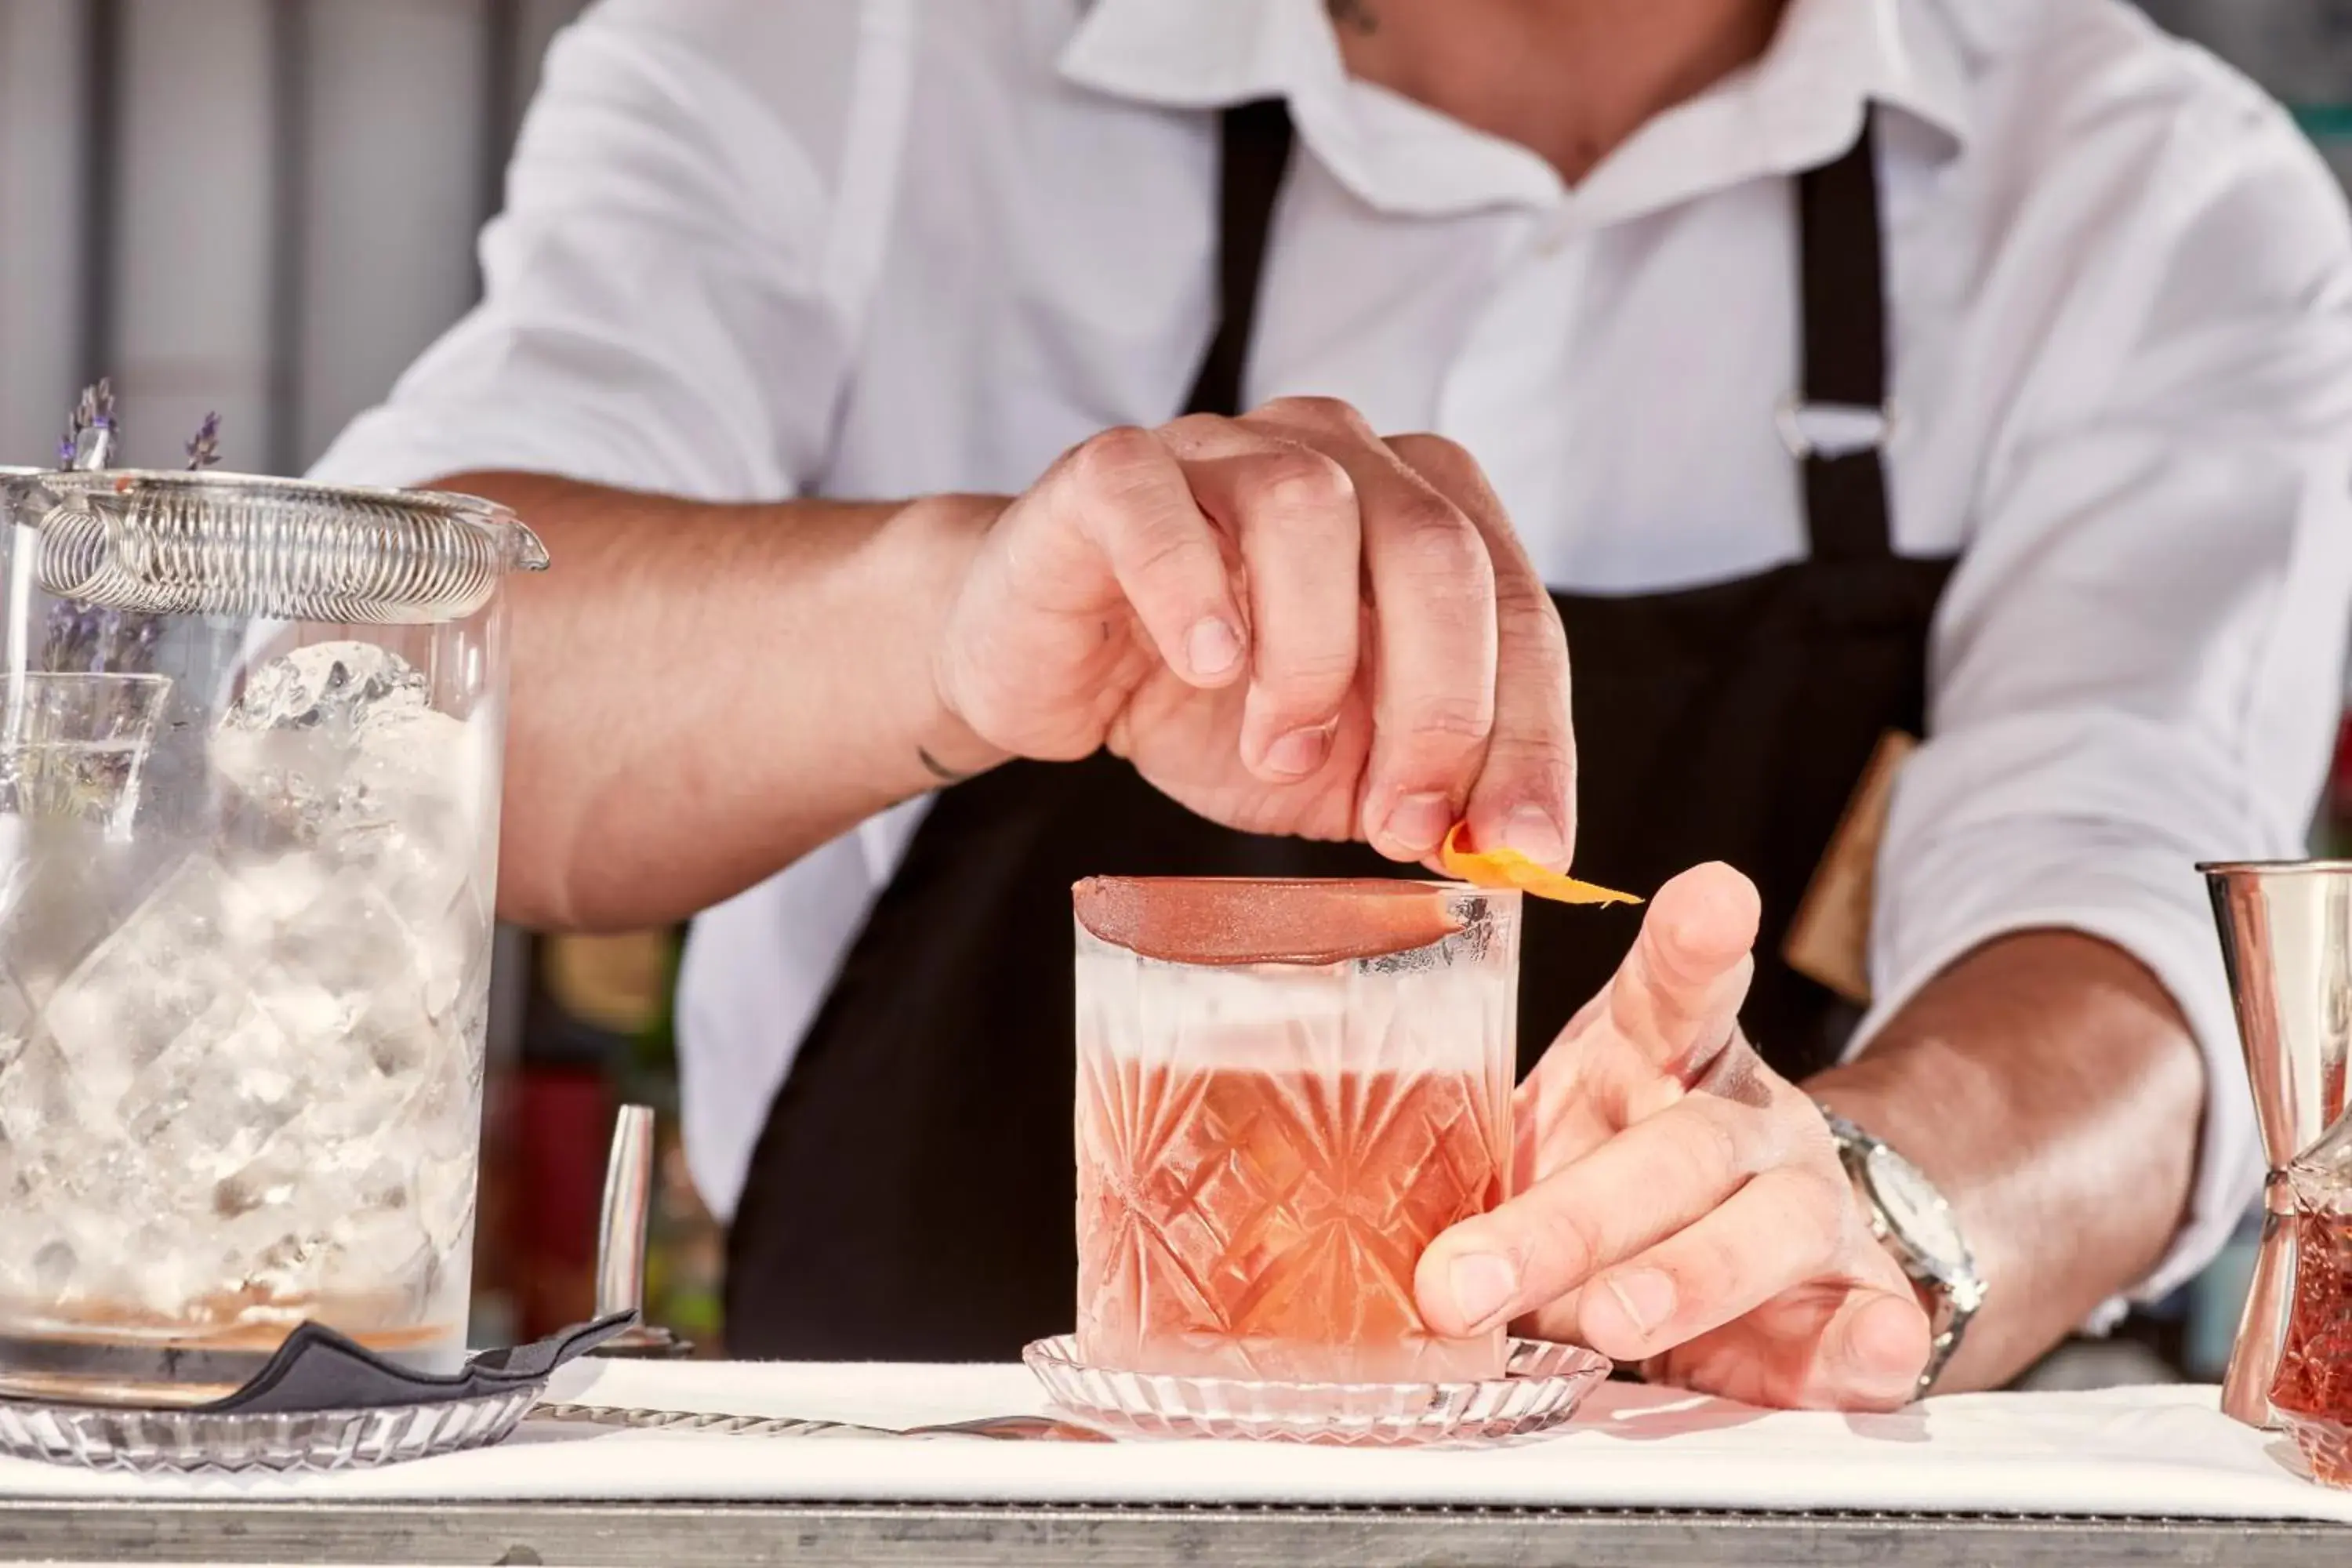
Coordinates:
912	1195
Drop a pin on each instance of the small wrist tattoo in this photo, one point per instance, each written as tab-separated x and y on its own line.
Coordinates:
1355	15
940	770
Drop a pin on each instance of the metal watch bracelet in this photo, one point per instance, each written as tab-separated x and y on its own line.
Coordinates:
1928	1247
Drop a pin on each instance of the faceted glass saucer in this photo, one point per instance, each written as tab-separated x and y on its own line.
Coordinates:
1540	1388
166	1440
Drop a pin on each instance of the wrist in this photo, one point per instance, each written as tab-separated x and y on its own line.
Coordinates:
1919	1096
932	542
1913	1220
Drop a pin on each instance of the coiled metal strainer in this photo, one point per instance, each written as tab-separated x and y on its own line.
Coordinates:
230	544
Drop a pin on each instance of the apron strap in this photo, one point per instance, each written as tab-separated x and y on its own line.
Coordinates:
1844	312
1254	154
1845	294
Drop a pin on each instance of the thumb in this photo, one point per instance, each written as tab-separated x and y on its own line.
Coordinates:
1676	997
1859	1347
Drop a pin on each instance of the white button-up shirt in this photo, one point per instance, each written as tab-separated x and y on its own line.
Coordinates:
883	248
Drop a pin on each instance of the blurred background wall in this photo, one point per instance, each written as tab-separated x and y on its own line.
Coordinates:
259	207
267	207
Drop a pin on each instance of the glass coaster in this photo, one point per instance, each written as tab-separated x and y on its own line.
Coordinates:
163	1440
1540	1388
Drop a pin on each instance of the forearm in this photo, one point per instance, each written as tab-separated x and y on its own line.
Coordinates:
2050	1087
704	693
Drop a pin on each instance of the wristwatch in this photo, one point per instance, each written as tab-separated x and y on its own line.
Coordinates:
1913	1221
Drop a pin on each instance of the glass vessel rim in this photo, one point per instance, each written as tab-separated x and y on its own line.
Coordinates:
448	503
2338	867
1346	919
1373	886
490	517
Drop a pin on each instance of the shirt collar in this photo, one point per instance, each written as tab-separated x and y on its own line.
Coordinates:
1798	106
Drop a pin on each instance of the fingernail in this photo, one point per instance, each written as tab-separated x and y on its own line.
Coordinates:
1483	1286
1419	822
1301	753
1534	832
1213	646
1647	1296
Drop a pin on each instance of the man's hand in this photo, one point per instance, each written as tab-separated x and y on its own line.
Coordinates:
1680	1204
1287	624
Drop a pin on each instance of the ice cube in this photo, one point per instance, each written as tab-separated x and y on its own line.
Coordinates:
346	1223
378	1072
108	1187
348	937
445	920
36	1106
31	1103
337	743
240	1102
384	1254
280	889
445	1202
177	965
339	686
420	769
213	1102
446	1112
17	1024
255	1187
71	889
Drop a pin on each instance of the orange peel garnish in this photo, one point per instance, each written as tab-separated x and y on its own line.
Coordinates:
1510	869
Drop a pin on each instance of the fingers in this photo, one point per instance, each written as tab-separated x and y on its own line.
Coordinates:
1830	1345
1724	1238
1124	492
1786	1228
1676	997
1432	585
1466	668
1627	1195
1525	797
1293	511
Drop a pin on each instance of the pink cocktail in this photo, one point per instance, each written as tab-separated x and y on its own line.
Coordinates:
1285	1091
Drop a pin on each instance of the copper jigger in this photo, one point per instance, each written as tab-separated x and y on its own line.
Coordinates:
2286	938
621	1239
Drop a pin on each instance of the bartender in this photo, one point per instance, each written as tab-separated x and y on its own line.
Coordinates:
1978	371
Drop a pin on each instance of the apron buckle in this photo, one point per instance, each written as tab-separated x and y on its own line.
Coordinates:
1833	430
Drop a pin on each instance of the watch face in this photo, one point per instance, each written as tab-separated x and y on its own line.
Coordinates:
1916	1210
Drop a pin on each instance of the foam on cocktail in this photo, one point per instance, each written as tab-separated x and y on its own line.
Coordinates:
1358	1015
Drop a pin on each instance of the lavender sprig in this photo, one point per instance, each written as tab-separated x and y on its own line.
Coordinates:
204	447
90	438
92	637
